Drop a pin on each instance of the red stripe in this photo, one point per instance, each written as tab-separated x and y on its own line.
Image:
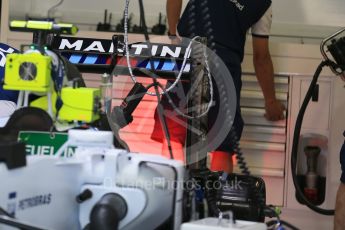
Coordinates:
123	61
108	62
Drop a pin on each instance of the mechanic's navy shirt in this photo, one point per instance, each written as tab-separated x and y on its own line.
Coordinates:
7	95
342	161
230	20
226	23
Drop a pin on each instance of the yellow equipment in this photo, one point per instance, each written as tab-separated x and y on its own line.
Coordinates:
42	103
28	72
80	104
34	26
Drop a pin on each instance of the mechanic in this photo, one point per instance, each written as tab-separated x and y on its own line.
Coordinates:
339	220
231	19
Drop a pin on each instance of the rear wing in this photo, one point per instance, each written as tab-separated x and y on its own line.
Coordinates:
101	56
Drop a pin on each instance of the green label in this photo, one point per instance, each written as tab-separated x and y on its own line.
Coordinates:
45	143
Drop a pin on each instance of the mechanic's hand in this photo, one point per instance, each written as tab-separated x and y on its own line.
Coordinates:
274	110
175	40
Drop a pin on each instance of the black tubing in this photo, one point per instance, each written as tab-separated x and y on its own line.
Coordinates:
295	143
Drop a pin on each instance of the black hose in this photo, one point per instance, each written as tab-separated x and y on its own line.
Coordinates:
288	225
3	212
8	219
284	223
296	137
212	196
51	9
143	21
107	213
238	152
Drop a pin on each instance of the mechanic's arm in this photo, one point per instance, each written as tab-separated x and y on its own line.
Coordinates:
339	220
264	73
173	12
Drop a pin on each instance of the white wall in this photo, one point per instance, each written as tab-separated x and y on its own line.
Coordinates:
305	12
90	11
310	12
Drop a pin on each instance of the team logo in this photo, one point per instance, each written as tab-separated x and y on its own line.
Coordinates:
4	50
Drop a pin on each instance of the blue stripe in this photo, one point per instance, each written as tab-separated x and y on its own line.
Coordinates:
91	59
155	64
168	66
75	58
142	64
